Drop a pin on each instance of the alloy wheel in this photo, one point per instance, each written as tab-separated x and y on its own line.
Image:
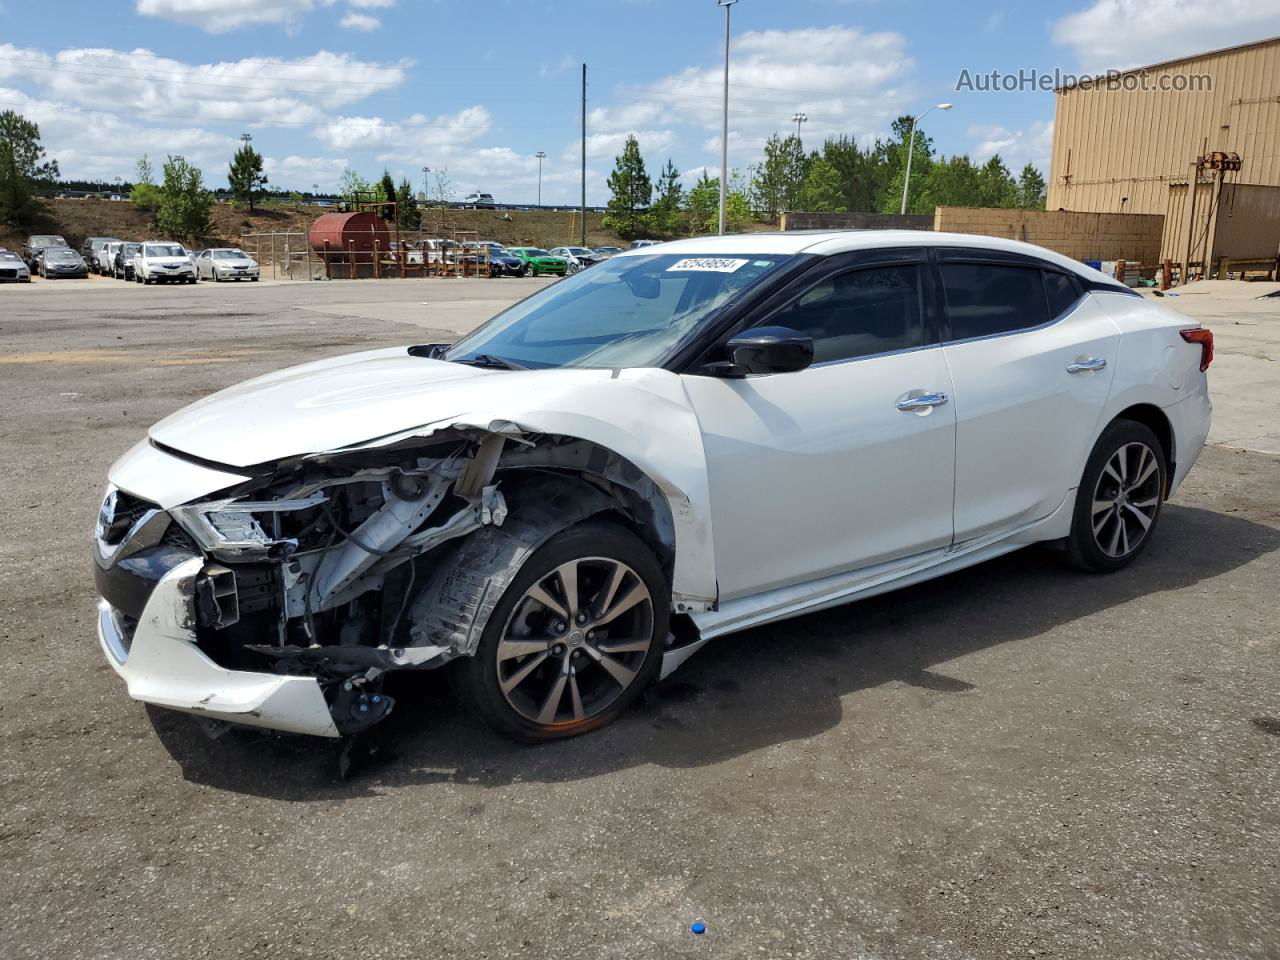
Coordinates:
575	641
1126	499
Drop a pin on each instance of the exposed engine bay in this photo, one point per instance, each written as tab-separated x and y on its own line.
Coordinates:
345	566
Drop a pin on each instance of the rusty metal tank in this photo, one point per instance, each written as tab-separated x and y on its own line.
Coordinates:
349	231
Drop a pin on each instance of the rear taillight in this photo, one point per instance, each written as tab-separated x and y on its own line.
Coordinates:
1205	339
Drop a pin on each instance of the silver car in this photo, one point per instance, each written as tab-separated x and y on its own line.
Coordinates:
226	263
12	268
56	262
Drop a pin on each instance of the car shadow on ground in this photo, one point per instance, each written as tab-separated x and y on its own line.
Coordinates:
741	693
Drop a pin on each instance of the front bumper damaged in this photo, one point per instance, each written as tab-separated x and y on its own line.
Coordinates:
160	662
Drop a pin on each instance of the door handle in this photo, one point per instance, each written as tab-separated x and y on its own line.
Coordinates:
922	402
1081	366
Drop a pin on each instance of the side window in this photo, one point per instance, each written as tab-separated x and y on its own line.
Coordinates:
986	299
1063	292
859	313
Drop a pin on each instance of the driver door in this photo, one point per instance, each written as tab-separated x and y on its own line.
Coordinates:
846	464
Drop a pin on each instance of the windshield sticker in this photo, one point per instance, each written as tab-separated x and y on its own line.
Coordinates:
707	265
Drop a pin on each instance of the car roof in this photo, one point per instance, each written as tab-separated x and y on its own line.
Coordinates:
830	242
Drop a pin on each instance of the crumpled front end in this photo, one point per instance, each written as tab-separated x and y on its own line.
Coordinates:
282	595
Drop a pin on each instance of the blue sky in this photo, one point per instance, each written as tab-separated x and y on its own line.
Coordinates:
479	88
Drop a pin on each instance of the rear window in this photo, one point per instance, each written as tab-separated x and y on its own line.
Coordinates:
1063	292
986	299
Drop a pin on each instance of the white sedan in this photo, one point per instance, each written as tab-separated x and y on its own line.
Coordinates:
226	263
684	441
163	263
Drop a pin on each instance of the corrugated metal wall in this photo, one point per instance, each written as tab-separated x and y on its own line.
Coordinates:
1113	144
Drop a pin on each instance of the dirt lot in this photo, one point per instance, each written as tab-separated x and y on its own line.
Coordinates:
1013	761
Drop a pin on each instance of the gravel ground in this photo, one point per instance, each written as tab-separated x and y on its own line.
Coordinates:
1016	760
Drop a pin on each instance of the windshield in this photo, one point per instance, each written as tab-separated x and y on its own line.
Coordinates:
228	255
535	252
62	253
130	248
625	312
163	250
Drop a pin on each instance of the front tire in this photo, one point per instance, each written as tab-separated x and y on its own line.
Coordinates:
576	637
1118	504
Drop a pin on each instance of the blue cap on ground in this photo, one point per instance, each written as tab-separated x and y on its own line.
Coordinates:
699	927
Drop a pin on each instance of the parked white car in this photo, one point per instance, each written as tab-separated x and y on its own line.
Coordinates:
225	263
664	449
163	263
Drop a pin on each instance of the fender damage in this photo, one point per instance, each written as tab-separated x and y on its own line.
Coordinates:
306	580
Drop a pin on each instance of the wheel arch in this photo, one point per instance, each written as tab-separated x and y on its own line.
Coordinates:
1155	419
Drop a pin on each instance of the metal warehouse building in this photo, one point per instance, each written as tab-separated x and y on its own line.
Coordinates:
1132	141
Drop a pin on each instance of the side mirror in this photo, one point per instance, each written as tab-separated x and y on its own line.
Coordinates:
766	350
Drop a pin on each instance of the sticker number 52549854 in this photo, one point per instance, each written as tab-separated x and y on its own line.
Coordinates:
706	265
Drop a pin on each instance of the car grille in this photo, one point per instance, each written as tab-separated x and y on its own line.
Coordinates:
129	510
8	273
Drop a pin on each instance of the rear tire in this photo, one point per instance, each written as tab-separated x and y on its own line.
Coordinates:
581	676
1119	500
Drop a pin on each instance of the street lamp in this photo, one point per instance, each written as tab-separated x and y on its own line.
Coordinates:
426	190
911	145
798	119
724	127
541	156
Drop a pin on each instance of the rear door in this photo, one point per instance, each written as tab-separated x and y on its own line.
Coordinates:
845	464
1031	356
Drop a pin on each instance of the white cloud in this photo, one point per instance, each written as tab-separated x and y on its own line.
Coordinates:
1115	34
300	90
375	133
92	144
1031	144
295	172
848	81
360	21
219	16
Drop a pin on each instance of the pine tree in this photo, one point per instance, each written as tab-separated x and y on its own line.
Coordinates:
777	182
23	169
822	190
666	209
245	176
388	189
407	207
1031	188
631	193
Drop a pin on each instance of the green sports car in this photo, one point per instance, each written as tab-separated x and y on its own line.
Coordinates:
540	262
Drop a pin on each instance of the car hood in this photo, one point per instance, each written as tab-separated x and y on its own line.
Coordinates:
246	262
167	261
352	400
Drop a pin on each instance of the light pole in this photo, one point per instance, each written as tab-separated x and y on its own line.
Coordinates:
911	145
798	119
541	156
724	127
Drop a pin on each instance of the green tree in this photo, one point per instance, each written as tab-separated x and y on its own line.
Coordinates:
353	187
23	169
407	211
145	195
777	181
704	205
387	187
245	175
997	188
184	202
864	174
667	215
822	190
1031	188
895	156
631	193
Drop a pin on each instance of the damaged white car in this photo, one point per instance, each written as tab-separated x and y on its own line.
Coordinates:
681	442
